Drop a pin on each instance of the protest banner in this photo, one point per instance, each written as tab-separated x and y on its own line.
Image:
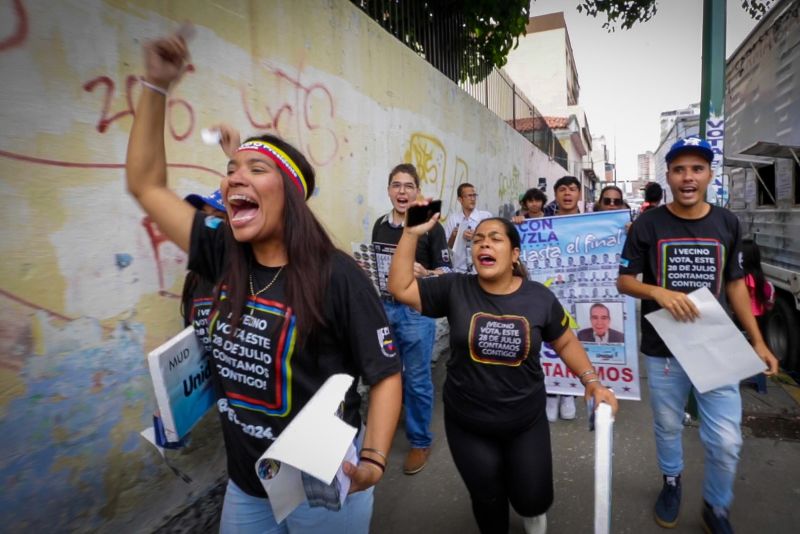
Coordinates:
577	257
375	259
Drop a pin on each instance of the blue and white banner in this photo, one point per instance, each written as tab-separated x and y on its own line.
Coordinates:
577	257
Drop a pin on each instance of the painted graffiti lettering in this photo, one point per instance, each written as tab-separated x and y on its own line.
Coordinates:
309	109
131	81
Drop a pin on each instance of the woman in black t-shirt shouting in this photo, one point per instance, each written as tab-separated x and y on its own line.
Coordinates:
494	395
291	310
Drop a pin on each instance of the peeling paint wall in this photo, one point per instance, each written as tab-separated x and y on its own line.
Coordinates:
88	286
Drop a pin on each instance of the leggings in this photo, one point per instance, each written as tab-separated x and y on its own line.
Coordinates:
498	467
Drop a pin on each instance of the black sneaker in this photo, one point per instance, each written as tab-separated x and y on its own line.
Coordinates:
669	502
715	520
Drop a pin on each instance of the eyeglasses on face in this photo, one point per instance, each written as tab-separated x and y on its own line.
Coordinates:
400	186
612	201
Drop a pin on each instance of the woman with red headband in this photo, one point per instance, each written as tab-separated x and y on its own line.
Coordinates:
289	310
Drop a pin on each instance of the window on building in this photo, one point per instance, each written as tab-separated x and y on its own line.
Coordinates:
766	185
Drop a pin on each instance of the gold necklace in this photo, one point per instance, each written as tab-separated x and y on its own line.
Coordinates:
257	293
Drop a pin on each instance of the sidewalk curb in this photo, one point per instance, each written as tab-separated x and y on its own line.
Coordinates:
787	384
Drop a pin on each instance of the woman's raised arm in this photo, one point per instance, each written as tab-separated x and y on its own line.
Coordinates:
146	162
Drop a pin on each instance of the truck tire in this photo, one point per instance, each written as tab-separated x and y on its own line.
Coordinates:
783	334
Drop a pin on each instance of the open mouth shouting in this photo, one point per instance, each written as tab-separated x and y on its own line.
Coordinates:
486	260
242	209
687	192
401	204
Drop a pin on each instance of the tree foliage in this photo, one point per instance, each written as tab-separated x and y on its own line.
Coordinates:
624	14
464	39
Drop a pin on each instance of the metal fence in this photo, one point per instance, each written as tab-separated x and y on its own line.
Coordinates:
499	93
438	35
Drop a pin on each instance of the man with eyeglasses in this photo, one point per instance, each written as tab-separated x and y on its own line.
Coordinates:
414	333
463	223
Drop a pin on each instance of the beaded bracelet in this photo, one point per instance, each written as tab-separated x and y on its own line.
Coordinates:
373	462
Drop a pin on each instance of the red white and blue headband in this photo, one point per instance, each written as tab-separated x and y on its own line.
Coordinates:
281	159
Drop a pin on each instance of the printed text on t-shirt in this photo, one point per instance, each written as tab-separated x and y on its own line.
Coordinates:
499	339
689	264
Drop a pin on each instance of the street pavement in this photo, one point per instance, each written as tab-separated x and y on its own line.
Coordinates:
435	500
767	492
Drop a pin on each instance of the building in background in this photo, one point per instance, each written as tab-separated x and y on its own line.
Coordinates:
683	125
668	118
646	167
543	67
598	159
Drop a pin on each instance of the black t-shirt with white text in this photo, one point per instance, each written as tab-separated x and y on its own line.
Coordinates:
681	255
263	372
432	250
493	375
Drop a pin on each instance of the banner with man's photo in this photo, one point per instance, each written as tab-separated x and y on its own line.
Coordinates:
577	257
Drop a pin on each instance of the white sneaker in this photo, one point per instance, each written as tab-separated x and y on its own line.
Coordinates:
552	408
567	407
535	525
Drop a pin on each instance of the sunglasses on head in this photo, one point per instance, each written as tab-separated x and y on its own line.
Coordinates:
612	201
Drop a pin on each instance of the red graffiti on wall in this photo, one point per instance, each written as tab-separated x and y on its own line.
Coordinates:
298	110
20	29
157	238
81	165
132	82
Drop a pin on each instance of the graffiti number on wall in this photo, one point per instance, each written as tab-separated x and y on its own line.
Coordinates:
20	32
107	117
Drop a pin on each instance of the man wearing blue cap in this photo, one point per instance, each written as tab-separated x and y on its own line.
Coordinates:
210	204
680	247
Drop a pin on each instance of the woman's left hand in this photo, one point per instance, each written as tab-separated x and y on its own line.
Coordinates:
362	476
600	393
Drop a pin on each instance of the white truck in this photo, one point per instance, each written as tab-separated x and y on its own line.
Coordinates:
762	161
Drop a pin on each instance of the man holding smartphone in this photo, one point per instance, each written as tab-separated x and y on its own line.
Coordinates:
413	332
463	222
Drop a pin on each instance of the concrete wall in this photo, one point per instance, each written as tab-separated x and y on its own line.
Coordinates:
87	287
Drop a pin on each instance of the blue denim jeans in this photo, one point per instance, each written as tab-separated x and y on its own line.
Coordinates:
245	514
414	335
720	412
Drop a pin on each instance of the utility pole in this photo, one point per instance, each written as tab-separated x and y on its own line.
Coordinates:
712	92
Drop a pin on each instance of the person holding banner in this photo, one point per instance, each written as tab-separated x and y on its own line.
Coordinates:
291	311
567	190
494	395
679	247
610	198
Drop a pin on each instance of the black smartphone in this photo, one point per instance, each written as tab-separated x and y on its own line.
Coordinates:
421	214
